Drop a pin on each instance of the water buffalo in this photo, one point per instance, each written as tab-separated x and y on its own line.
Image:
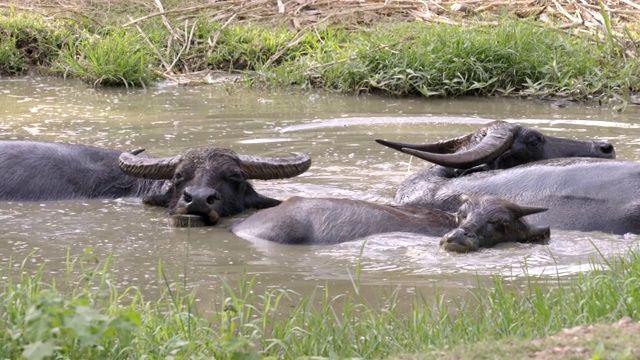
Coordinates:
498	145
208	182
581	194
479	222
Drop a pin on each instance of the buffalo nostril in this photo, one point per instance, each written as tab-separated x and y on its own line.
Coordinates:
606	148
201	198
457	235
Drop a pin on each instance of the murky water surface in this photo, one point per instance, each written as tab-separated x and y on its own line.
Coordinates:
338	133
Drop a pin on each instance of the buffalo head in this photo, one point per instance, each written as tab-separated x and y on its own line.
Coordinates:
211	182
502	145
484	221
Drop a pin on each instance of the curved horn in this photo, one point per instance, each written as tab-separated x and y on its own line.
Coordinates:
528	210
496	142
267	168
440	147
148	168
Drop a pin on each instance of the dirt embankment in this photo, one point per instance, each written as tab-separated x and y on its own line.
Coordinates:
620	340
605	341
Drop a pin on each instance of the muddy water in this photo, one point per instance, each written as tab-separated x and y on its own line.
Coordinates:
337	131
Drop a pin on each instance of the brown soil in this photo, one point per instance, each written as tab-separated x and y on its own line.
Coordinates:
578	342
620	340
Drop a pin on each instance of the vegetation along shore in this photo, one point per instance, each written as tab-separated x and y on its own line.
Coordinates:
87	317
539	48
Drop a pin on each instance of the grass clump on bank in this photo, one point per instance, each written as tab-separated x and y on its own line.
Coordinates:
109	57
514	57
11	61
93	318
115	58
29	41
508	57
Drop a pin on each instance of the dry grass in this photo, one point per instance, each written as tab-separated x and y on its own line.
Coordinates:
579	15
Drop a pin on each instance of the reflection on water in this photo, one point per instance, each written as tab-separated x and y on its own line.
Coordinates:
337	131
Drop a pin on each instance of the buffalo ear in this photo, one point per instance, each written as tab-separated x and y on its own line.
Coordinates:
257	201
528	210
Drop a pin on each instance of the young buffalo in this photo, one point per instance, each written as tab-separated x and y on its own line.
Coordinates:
479	222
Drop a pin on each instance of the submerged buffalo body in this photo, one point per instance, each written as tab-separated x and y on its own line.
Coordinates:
498	145
581	194
209	182
478	222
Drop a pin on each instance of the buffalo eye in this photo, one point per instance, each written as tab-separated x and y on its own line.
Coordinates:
498	222
178	178
460	217
236	177
536	140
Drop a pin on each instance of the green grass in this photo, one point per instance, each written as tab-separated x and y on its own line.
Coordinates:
117	57
27	40
516	57
87	316
12	62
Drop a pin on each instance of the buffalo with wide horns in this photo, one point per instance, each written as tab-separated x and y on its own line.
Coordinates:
208	182
497	145
480	221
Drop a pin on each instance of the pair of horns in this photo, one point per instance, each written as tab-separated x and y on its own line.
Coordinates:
254	167
460	153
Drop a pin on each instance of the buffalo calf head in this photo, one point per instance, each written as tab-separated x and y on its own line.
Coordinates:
485	221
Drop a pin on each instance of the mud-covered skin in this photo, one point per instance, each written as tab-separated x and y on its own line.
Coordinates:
208	182
480	222
581	194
